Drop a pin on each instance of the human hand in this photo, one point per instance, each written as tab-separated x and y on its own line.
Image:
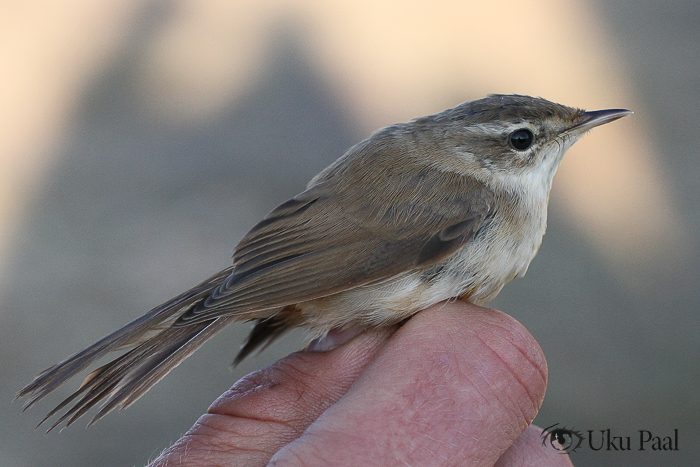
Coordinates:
456	385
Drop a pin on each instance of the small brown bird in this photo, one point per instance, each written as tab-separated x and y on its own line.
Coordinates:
445	206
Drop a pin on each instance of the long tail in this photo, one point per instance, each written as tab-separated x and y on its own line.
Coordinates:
153	347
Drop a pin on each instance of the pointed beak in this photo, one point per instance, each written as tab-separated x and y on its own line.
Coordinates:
595	118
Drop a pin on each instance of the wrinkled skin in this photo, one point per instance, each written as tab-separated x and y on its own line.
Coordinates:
456	385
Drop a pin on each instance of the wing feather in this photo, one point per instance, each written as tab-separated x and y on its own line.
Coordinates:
336	236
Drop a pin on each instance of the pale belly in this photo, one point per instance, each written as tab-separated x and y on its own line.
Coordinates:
476	273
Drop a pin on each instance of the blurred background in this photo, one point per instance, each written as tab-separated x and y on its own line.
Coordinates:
141	139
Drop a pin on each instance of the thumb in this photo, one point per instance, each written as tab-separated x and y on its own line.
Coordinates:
456	385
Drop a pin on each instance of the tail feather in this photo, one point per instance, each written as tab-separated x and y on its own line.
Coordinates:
140	380
53	377
84	402
154	347
123	381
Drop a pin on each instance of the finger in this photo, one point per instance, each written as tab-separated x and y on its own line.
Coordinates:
269	408
528	450
456	385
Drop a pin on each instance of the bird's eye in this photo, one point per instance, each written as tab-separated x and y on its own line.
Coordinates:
521	139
